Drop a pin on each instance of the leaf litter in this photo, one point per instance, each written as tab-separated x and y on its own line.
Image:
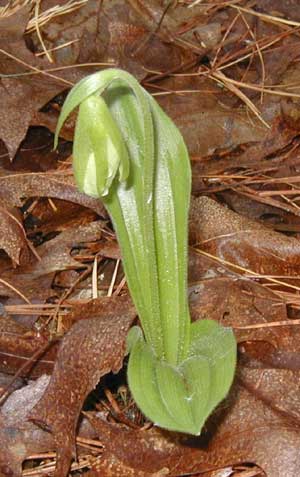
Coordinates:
228	75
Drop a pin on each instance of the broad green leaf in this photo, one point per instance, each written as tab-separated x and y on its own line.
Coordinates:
143	384
174	395
217	344
197	375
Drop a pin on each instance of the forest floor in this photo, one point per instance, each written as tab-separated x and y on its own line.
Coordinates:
228	74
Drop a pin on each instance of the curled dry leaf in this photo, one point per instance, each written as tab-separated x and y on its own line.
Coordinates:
242	241
91	349
12	235
256	424
15	187
239	303
20	346
20	438
35	278
152	451
55	253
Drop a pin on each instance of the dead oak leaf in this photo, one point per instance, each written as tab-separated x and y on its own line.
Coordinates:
258	423
91	349
110	466
15	187
12	235
55	254
19	437
19	102
238	303
20	346
252	310
241	241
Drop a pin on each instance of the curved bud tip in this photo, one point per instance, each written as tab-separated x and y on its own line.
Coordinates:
99	150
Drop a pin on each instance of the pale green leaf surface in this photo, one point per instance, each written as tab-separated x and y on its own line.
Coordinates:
174	395
218	345
197	374
171	201
143	385
95	83
132	211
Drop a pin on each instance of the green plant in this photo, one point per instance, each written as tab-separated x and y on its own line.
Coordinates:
178	371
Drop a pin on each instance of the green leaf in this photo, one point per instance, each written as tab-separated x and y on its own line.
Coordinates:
171	197
217	344
142	382
197	375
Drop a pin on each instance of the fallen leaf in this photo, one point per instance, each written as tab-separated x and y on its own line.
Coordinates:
55	254
19	438
242	242
44	219
20	100
15	187
285	8
254	426
110	466
238	302
22	347
91	349
206	124
12	235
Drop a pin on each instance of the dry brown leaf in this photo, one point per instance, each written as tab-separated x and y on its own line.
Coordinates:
15	187
257	424
281	8
20	438
110	466
12	235
18	346
55	254
91	349
206	124
242	241
237	302
110	32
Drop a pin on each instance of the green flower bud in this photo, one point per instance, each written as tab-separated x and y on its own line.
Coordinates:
99	150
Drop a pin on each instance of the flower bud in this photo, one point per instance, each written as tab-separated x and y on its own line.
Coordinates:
99	150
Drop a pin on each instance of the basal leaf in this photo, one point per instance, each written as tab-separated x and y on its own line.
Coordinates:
217	344
143	384
197	375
